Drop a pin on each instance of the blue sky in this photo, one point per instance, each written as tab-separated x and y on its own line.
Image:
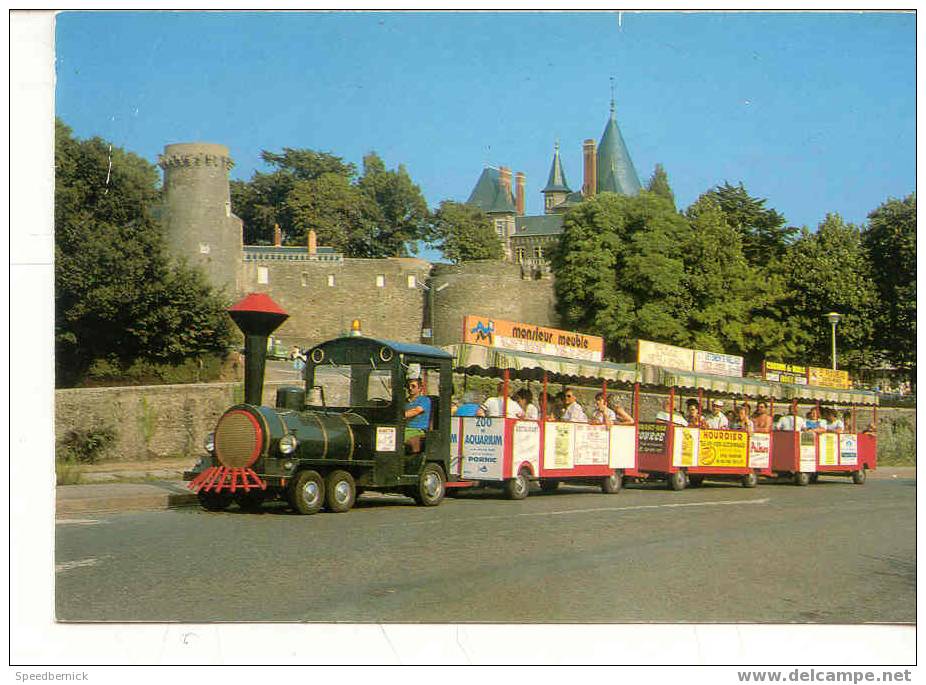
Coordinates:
813	111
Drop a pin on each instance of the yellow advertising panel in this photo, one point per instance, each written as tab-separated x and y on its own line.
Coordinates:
785	373
685	446
829	378
523	337
723	448
829	449
669	356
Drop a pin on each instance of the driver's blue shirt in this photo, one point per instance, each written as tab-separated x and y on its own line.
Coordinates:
420	421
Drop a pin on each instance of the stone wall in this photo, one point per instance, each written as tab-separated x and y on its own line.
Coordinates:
152	421
488	288
322	298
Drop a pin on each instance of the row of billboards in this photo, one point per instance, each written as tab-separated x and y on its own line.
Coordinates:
512	335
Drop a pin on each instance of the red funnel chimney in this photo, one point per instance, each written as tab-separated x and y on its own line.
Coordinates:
257	316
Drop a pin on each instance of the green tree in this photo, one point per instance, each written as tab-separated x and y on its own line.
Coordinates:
890	243
401	211
659	184
116	294
619	271
763	231
829	271
734	307
464	233
342	216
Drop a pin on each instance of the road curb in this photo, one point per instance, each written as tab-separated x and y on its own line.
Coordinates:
83	499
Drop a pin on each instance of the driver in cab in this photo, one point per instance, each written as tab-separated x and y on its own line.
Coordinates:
417	410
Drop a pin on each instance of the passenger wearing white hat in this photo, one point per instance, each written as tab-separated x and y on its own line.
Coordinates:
716	419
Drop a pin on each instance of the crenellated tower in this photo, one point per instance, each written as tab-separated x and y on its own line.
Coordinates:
198	222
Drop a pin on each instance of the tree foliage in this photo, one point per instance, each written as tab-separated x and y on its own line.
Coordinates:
890	243
116	294
659	184
763	231
381	213
464	233
827	271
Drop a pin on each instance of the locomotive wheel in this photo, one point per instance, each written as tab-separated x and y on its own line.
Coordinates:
677	480
750	480
214	501
519	486
859	477
340	491
695	481
611	485
547	485
307	492
430	489
801	478
250	501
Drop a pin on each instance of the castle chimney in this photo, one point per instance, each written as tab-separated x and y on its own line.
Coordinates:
313	241
519	192
277	235
504	180
589	156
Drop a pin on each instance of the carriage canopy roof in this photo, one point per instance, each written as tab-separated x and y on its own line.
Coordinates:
491	361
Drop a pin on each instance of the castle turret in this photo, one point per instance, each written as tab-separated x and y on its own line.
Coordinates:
557	189
198	222
616	173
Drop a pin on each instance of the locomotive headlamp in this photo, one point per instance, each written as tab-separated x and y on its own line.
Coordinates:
209	443
355	327
288	444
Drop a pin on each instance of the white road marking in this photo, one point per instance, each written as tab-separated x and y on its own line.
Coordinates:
78	563
77	522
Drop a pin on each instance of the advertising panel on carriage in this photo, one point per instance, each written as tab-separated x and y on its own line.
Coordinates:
784	373
591	445
559	446
717	363
848	450
482	451
723	448
652	438
686	446
828	378
523	337
667	356
808	456
525	445
759	450
828	449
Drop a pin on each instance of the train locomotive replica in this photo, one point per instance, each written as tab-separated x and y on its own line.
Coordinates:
322	445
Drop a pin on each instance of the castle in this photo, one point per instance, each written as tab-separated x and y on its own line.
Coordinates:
404	299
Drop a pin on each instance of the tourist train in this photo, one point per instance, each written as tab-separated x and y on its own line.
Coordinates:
344	432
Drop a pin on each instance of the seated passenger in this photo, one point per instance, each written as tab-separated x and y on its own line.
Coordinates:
573	410
470	406
834	424
742	421
716	419
791	422
693	414
603	413
814	421
669	411
525	400
623	416
417	411
494	405
761	420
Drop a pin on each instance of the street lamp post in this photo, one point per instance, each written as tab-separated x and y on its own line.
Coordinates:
834	319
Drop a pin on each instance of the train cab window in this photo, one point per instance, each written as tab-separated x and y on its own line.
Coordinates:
431	388
350	385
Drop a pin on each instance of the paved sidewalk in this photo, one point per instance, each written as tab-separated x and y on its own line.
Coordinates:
172	493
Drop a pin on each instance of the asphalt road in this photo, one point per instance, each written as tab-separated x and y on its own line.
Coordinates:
828	553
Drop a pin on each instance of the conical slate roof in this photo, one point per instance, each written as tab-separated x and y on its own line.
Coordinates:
488	195
616	173
557	181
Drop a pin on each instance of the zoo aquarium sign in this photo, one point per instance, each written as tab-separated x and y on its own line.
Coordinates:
523	337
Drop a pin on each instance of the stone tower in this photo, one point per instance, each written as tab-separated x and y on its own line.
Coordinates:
197	218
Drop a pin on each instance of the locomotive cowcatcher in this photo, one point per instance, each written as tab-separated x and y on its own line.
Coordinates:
343	433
